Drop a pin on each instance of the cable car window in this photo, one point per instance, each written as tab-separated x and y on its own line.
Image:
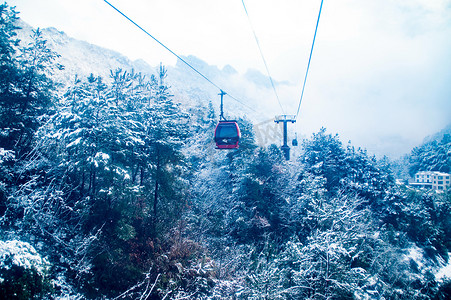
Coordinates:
227	131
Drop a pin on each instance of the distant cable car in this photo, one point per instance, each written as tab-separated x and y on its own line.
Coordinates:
294	142
227	135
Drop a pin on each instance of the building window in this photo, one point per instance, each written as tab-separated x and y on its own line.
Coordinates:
440	182
440	177
440	187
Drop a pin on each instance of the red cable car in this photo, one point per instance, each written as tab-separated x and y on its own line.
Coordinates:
227	135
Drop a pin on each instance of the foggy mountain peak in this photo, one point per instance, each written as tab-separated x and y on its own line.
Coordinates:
81	58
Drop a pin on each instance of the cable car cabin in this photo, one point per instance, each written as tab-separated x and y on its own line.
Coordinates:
227	135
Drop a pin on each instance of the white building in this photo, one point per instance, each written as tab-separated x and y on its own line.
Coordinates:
433	180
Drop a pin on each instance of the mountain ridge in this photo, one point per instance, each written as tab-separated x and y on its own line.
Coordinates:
81	58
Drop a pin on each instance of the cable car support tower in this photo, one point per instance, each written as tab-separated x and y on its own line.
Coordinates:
285	119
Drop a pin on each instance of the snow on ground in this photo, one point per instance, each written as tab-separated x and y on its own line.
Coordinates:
444	271
416	254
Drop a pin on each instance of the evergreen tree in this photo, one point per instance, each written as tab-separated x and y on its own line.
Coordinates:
26	93
25	97
8	75
431	156
324	156
365	175
8	47
167	134
262	194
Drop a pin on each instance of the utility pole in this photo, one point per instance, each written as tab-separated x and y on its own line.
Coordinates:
285	119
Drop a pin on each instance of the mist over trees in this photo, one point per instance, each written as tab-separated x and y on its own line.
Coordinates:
112	189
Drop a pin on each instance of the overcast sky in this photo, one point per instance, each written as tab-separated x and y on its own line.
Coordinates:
380	72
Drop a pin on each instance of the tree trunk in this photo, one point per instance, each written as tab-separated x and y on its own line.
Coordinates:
155	202
155	199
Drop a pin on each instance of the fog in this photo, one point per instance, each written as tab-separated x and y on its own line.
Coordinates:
380	73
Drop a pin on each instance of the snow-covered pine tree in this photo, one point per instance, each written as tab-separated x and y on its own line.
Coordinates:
262	194
324	156
31	92
168	132
9	74
431	156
